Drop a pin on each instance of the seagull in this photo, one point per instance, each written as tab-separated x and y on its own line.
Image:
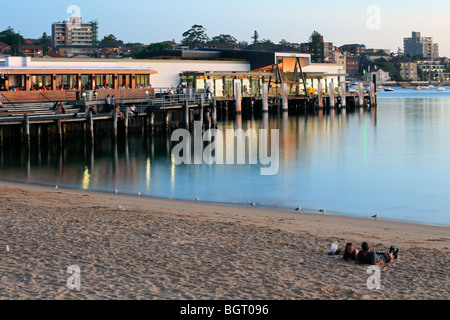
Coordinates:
56	187
299	208
6	249
323	211
253	204
116	191
139	194
197	199
375	216
122	208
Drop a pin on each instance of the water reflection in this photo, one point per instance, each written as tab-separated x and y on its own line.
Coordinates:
390	160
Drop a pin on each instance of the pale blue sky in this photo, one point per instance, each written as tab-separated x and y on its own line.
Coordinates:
340	22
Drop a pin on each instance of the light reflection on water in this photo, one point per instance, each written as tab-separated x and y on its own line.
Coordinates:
392	160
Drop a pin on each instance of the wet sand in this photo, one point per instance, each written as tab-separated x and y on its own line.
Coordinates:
165	250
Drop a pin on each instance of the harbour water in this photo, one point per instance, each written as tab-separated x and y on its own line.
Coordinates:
392	160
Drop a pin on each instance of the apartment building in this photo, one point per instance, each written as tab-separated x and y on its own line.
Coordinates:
424	46
74	32
408	71
355	49
431	70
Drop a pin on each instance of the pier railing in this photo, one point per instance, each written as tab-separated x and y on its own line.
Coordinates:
76	95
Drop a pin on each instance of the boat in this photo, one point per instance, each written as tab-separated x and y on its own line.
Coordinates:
426	88
418	88
440	88
388	89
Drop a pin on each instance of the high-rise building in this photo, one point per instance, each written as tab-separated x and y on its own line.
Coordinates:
74	32
424	46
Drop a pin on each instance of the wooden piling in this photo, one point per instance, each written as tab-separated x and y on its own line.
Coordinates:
114	125
332	98
265	97
238	97
360	94
319	95
59	131
201	109
186	114
343	95
284	97
151	120
126	120
90	120
214	113
26	131
371	95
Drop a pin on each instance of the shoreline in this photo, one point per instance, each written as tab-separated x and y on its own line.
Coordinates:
161	249
19	184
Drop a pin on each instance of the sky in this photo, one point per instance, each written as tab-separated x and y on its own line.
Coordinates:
377	24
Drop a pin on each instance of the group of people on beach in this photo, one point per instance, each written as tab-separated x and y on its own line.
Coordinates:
368	256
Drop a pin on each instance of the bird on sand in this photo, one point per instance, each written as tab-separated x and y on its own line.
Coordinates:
375	216
323	211
299	208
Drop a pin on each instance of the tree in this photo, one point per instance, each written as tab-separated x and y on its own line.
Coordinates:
255	38
316	47
142	53
417	57
223	39
266	42
15	40
45	41
195	35
110	41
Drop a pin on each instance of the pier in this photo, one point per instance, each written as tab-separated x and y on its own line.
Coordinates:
28	117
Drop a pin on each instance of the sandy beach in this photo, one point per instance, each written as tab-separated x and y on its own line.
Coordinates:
165	250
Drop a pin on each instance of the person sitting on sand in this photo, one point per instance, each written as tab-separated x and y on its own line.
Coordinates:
350	252
367	256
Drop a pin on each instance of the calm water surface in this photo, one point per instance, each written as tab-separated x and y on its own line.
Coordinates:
393	161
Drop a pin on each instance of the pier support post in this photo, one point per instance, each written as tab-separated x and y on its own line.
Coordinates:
126	121
90	120
214	113
59	132
360	94
151	120
186	114
332	98
114	125
343	95
201	109
238	97
284	97
371	94
265	97
26	131
375	91
319	95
